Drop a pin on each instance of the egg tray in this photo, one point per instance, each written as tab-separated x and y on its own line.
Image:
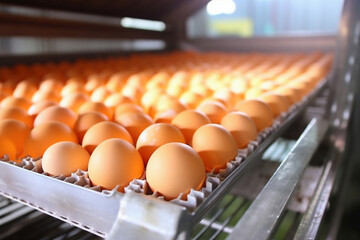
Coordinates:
99	218
193	199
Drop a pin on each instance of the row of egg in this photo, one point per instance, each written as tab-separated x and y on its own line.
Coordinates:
35	121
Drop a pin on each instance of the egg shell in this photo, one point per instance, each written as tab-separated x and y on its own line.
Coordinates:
11	101
17	114
51	84
215	145
241	127
191	99
127	108
87	120
278	103
213	109
134	123
175	168
74	101
291	94
155	136
56	113
43	136
42	95
117	99
8	148
189	121
259	111
37	107
25	89
102	131
100	94
64	158
97	107
15	131
115	162
72	87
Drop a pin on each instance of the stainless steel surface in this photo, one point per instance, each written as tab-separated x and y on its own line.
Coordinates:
271	202
145	217
90	210
295	43
310	222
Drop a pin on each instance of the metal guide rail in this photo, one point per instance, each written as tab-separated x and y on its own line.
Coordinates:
97	212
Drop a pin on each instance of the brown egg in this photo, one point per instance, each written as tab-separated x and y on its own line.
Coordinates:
25	89
115	162
127	108
102	131
100	94
213	109
11	101
64	158
259	111
174	169
56	113
43	136
189	121
253	93
117	99
97	107
134	123
87	120
117	81
278	103
215	145
51	84
42	95
72	87
191	99
156	135
17	114
241	127
74	101
7	148
149	98
15	131
37	107
291	94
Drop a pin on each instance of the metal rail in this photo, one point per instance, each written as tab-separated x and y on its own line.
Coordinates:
271	202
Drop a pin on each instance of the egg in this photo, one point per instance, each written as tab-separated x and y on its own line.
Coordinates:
87	120
97	107
291	94
134	123
191	99
74	101
17	114
72	87
241	127
25	89
149	98
115	162
44	135
100	94
37	107
7	148
174	169
51	84
259	111
253	93
116	81
102	131
117	99
215	145
64	158
42	95
213	109
156	135
11	101
16	132
56	113
189	121
278	103
127	108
